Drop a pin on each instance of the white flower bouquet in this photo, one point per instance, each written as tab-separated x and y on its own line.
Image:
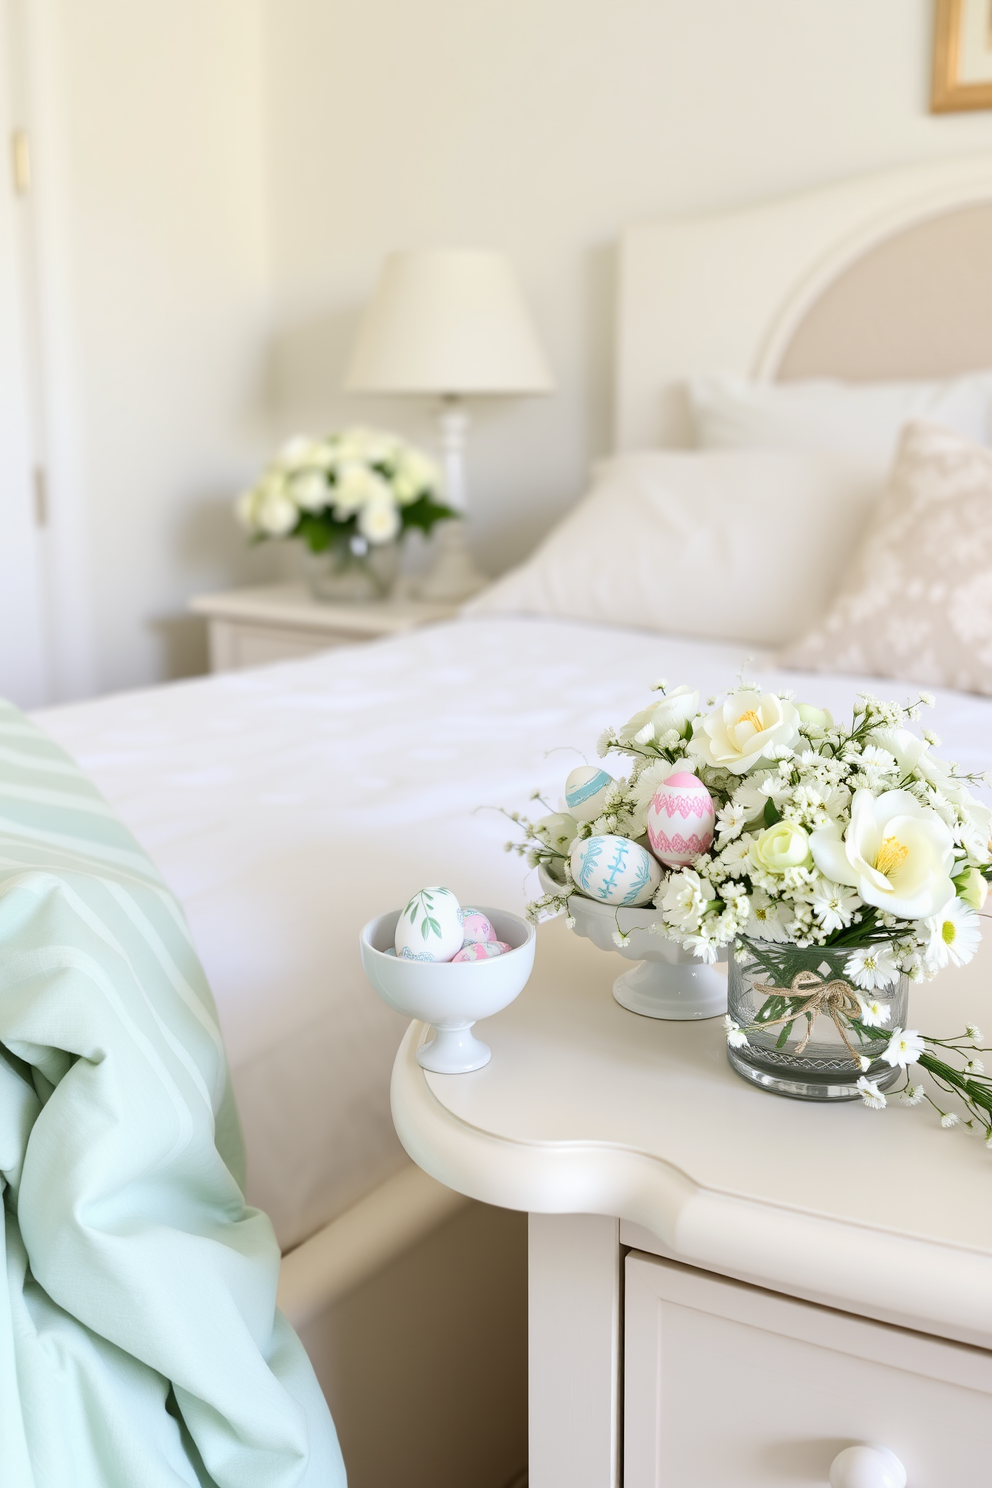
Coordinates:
355	490
853	841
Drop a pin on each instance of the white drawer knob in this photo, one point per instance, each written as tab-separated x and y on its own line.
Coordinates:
867	1467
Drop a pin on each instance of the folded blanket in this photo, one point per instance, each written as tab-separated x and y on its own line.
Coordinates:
140	1344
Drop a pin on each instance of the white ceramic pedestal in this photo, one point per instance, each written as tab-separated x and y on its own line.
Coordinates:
668	982
450	995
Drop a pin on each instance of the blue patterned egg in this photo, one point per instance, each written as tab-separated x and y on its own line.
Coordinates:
586	790
615	870
429	927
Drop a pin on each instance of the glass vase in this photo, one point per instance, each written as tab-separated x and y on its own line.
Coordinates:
353	571
800	1014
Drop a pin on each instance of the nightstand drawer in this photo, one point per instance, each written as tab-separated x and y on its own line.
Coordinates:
729	1386
234	645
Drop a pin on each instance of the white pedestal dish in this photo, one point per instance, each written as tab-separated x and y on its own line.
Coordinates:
668	982
451	996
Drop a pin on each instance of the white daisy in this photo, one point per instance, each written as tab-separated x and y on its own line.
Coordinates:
973	1032
870	1094
904	1047
954	936
974	1067
834	904
736	1037
874	1013
767	917
871	967
912	1095
730	822
949	1119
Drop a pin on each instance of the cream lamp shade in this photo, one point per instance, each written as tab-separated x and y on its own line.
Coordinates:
447	322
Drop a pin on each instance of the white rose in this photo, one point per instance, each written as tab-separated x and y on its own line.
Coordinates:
895	852
674	711
784	845
817	720
747	729
310	490
357	485
379	521
415	475
276	513
296	451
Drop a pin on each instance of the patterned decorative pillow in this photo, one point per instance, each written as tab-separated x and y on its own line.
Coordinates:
918	602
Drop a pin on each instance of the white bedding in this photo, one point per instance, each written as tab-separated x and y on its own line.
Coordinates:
286	806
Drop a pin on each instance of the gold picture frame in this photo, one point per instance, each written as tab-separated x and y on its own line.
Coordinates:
962	56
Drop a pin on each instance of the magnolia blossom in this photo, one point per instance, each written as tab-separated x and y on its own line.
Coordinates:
750	727
897	854
673	711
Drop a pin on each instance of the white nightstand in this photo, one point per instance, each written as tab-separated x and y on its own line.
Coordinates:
277	622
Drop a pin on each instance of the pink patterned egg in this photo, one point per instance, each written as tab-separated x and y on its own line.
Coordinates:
481	950
476	926
680	820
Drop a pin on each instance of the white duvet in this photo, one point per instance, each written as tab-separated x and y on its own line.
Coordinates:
288	805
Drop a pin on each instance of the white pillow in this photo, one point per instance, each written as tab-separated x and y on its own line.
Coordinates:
746	545
857	421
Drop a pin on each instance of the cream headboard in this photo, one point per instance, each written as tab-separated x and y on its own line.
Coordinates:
887	276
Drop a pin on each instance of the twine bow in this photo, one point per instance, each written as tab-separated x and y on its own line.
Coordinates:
835	999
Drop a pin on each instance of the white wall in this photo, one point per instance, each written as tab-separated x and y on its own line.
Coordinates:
542	126
149	133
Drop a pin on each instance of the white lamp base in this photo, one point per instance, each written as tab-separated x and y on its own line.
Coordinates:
453	576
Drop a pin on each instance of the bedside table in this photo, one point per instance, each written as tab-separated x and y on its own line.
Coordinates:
277	622
735	1286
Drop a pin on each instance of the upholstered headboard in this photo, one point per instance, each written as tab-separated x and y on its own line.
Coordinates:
887	276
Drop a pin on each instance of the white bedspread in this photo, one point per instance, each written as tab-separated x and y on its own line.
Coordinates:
288	805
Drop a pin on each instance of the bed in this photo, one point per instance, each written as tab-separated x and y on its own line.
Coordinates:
288	805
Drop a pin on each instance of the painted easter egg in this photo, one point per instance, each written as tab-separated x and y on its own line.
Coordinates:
481	950
476	927
680	820
615	870
430	926
585	792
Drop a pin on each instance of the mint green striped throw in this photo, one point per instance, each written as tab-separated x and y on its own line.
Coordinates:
140	1346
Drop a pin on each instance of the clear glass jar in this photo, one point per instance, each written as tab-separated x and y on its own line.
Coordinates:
799	1012
352	571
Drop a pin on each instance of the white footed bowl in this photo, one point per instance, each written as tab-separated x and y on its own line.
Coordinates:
669	982
450	995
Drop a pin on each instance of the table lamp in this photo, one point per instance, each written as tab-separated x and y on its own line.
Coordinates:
448	324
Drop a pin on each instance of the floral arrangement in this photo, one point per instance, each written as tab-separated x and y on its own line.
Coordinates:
854	837
354	489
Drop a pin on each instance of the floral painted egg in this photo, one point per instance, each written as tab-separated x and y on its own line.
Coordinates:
680	820
481	950
585	792
430	927
476	928
615	870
